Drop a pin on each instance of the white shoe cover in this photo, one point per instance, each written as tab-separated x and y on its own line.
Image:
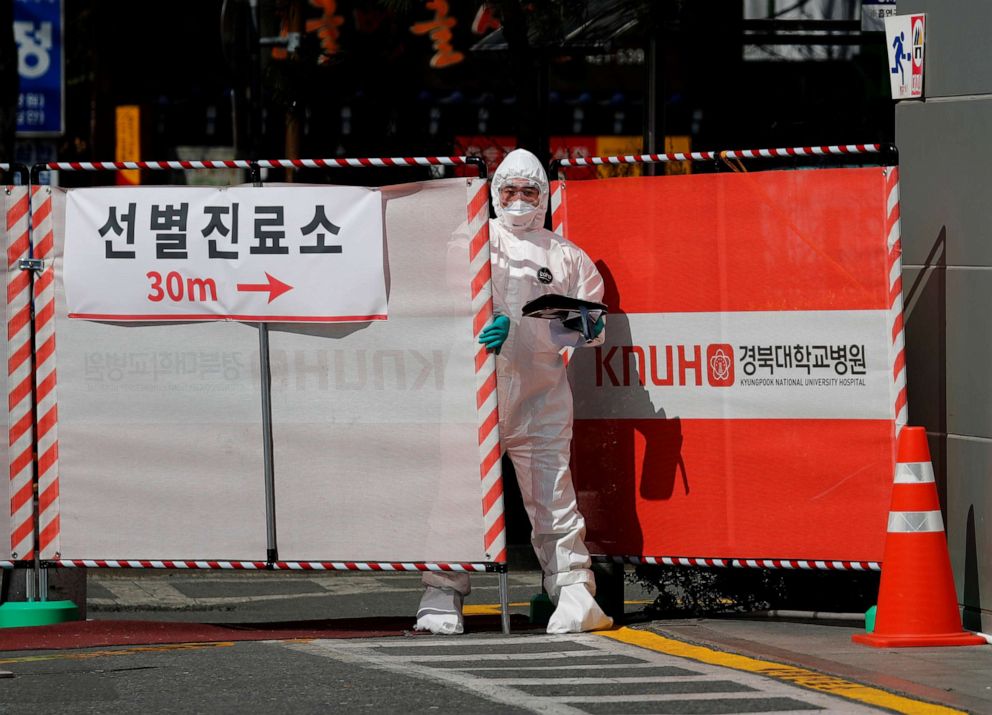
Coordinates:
577	611
440	612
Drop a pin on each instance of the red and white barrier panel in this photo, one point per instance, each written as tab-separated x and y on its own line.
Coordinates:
750	563
263	163
19	377
833	150
485	373
894	245
376	566
779	351
132	564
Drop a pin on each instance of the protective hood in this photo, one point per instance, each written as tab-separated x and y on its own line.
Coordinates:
521	164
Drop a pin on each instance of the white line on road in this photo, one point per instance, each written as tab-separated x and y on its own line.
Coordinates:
723	683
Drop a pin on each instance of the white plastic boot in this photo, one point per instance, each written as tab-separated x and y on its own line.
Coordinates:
577	611
440	612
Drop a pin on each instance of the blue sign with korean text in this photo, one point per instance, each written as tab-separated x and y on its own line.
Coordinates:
38	33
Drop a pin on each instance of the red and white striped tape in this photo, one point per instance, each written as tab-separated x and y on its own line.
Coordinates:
803	151
43	240
751	563
261	565
893	232
152	564
377	566
20	376
262	163
639	158
381	162
833	150
485	373
155	165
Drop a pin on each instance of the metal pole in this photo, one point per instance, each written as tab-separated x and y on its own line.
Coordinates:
265	387
30	584
265	375
42	584
651	125
504	601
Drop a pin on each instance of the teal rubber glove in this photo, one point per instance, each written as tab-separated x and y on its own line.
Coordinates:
494	335
598	326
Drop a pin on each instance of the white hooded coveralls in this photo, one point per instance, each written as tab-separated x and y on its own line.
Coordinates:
535	400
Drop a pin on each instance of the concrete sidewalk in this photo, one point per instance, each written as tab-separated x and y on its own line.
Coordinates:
958	677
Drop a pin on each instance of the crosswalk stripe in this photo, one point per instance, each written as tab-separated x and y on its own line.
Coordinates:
683	686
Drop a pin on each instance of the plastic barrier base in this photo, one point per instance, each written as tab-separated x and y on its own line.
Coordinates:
927	640
870	619
37	613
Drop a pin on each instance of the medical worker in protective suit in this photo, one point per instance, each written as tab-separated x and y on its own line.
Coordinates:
535	401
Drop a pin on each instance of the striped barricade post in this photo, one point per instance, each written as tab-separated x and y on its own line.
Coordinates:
20	455
894	245
557	201
631	365
46	422
485	368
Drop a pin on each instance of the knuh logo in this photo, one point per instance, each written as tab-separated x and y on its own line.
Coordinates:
665	365
721	364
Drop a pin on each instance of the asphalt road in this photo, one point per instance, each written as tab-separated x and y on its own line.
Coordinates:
629	670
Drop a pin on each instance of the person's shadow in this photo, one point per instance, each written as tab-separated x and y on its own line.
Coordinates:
625	450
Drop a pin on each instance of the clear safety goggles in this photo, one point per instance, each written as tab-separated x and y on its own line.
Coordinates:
528	191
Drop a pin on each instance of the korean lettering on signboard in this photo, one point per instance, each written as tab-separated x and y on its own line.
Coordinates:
292	254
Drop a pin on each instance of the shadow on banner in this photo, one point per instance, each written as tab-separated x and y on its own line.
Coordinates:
634	453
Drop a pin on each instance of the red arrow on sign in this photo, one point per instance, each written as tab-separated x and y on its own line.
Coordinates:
275	287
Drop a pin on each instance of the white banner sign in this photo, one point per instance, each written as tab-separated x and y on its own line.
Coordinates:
828	364
281	254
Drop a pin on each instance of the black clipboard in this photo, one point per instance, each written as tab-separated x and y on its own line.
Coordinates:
575	314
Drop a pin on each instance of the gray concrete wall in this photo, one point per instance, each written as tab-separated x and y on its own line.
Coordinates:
957	43
945	159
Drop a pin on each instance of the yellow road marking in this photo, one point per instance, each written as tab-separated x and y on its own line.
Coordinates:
488	609
122	651
492	609
779	671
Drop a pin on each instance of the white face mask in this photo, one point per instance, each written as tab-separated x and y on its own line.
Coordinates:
518	213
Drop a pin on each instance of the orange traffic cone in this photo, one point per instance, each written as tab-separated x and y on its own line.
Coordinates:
917	604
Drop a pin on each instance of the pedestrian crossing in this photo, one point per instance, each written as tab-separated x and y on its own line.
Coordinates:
583	673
